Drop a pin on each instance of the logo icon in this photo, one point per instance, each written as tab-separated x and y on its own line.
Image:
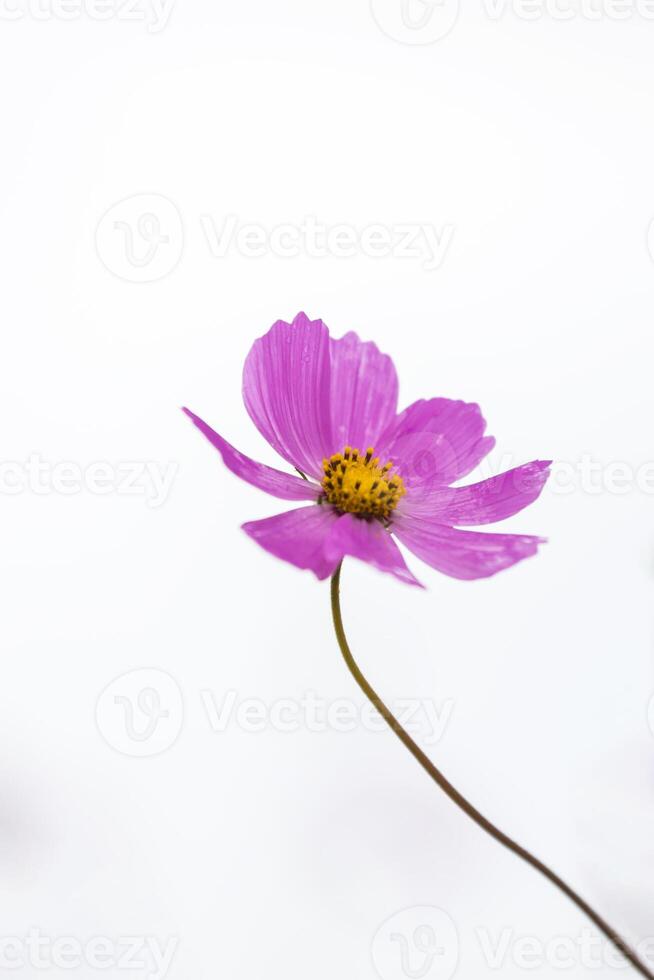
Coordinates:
650	239
141	713
140	239
419	943
415	21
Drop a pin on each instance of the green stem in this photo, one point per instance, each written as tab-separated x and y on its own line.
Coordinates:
460	800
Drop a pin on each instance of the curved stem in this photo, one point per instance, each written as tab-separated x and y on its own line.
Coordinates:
460	800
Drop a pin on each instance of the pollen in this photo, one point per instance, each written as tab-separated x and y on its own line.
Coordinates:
356	483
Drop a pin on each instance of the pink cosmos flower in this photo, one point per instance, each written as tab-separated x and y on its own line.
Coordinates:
369	474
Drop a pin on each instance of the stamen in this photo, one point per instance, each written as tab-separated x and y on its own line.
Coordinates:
357	484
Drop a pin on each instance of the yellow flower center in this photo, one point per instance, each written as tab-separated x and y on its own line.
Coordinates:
357	484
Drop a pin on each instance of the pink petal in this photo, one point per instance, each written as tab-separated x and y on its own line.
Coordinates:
463	554
364	390
370	542
482	503
424	460
318	538
286	386
455	446
284	485
299	537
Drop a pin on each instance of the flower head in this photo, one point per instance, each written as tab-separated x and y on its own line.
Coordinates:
369	474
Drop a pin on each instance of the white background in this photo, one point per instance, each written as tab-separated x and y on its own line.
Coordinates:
278	854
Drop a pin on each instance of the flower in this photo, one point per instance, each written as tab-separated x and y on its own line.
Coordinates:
369	474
